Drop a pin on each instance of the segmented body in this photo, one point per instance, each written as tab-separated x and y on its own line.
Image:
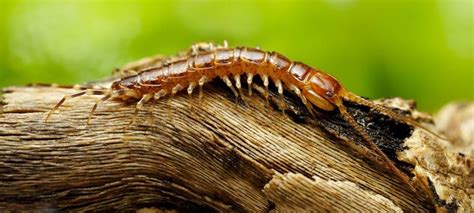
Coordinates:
223	63
205	62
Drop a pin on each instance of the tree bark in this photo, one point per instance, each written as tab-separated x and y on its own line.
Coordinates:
213	154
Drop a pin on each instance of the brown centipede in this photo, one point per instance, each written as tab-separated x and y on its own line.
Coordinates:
205	62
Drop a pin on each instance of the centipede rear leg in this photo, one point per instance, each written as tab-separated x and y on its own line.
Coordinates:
107	95
75	95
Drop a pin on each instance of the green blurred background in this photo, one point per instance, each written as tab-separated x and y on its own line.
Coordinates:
420	50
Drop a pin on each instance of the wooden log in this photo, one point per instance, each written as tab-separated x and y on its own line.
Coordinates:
210	155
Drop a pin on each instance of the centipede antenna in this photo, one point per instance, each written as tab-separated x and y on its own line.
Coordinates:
373	146
390	113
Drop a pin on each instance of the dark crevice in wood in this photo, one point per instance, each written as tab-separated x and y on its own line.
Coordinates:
24	111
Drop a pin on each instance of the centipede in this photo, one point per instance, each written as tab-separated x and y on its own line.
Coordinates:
155	78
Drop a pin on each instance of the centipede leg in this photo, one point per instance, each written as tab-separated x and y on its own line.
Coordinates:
139	106
190	89
308	106
279	86
150	111
229	84
174	90
249	82
196	48
75	86
66	97
103	99
156	97
238	84
265	84
201	82
275	100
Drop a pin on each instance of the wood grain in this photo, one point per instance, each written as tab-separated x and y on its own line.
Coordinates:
187	155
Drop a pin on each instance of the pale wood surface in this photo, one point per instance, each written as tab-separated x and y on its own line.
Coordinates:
211	154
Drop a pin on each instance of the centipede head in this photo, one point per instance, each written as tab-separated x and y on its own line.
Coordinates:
323	91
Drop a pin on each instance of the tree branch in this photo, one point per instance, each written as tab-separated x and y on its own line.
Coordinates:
209	154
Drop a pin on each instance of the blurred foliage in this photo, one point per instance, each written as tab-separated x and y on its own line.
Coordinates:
420	50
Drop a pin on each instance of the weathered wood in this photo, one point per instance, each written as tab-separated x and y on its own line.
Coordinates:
211	154
456	120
